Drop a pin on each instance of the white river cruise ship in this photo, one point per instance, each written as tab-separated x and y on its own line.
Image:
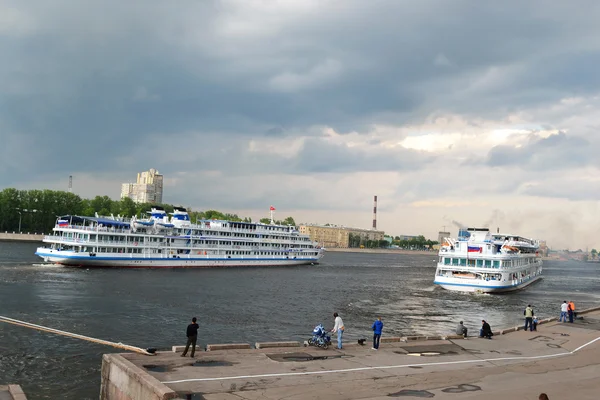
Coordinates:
160	241
480	261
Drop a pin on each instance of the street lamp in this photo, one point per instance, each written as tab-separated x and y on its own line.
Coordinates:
20	210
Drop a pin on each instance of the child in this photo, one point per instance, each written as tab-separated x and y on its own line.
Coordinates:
535	322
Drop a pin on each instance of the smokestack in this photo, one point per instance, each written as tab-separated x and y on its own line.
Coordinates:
374	212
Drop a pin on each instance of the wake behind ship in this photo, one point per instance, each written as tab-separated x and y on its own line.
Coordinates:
160	241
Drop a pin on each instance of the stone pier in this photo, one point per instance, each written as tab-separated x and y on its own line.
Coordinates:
560	359
11	392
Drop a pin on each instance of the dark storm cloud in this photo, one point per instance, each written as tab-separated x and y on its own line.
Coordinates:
87	85
558	151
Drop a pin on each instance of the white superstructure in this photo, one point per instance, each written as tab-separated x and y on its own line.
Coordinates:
163	241
480	261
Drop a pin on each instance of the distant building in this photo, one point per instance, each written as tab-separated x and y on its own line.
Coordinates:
543	248
147	189
338	236
406	237
442	236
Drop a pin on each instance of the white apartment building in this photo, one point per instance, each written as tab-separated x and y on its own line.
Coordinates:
147	189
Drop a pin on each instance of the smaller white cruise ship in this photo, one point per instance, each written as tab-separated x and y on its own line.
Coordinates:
485	262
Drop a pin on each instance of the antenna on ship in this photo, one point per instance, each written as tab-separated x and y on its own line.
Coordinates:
271	209
70	183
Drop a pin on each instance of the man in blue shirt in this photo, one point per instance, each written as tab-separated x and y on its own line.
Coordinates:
377	328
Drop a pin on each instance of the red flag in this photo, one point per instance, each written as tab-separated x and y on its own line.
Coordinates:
272	208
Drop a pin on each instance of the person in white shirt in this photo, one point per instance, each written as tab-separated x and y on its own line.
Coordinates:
564	309
338	327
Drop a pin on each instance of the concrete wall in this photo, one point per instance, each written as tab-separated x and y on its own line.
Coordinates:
122	380
18	237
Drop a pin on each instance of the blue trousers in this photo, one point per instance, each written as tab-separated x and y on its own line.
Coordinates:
563	316
376	337
340	333
529	322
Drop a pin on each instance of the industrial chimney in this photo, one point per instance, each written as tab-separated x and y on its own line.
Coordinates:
374	212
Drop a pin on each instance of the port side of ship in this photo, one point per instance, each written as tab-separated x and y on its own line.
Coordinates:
161	241
485	262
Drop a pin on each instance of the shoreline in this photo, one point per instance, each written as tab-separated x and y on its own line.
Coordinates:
21	237
379	251
521	365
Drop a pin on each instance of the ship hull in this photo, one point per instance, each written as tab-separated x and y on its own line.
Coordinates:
459	285
87	261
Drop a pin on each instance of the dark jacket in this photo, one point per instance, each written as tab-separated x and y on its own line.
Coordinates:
486	330
192	330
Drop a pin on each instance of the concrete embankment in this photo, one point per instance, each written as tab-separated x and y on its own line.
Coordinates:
11	392
560	359
21	237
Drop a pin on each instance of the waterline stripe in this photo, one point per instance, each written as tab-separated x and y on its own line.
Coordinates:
334	371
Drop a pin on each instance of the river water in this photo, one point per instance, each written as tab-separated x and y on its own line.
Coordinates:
151	308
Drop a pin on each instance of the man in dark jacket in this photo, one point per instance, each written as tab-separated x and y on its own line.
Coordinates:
486	330
377	328
192	337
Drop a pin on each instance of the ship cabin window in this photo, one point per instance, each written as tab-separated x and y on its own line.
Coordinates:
455	261
488	263
480	263
471	263
447	260
496	264
463	262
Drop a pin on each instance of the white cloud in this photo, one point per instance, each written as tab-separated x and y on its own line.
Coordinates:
321	74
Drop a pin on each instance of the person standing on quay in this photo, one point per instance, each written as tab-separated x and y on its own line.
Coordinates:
571	311
192	337
528	317
377	328
564	308
338	327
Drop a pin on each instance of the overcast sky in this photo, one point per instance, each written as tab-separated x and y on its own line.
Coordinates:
481	113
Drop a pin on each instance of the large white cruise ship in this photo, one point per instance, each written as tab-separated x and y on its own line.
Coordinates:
160	241
479	261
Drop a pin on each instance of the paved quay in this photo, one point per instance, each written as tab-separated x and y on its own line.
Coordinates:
560	359
11	392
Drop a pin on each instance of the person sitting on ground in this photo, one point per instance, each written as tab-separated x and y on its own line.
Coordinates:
543	396
461	329
486	330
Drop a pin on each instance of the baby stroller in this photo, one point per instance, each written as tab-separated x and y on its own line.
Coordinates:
320	338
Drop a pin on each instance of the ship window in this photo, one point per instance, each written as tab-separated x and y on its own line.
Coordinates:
480	263
496	264
463	262
488	263
447	260
472	263
455	261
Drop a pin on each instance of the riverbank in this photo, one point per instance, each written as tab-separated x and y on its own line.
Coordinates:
560	359
21	237
378	251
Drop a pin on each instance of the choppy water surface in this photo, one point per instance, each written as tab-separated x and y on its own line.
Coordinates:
151	308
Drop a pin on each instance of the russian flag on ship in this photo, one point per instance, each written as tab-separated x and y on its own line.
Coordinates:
62	222
473	249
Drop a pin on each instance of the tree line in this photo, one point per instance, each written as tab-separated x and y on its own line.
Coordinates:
416	243
37	210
